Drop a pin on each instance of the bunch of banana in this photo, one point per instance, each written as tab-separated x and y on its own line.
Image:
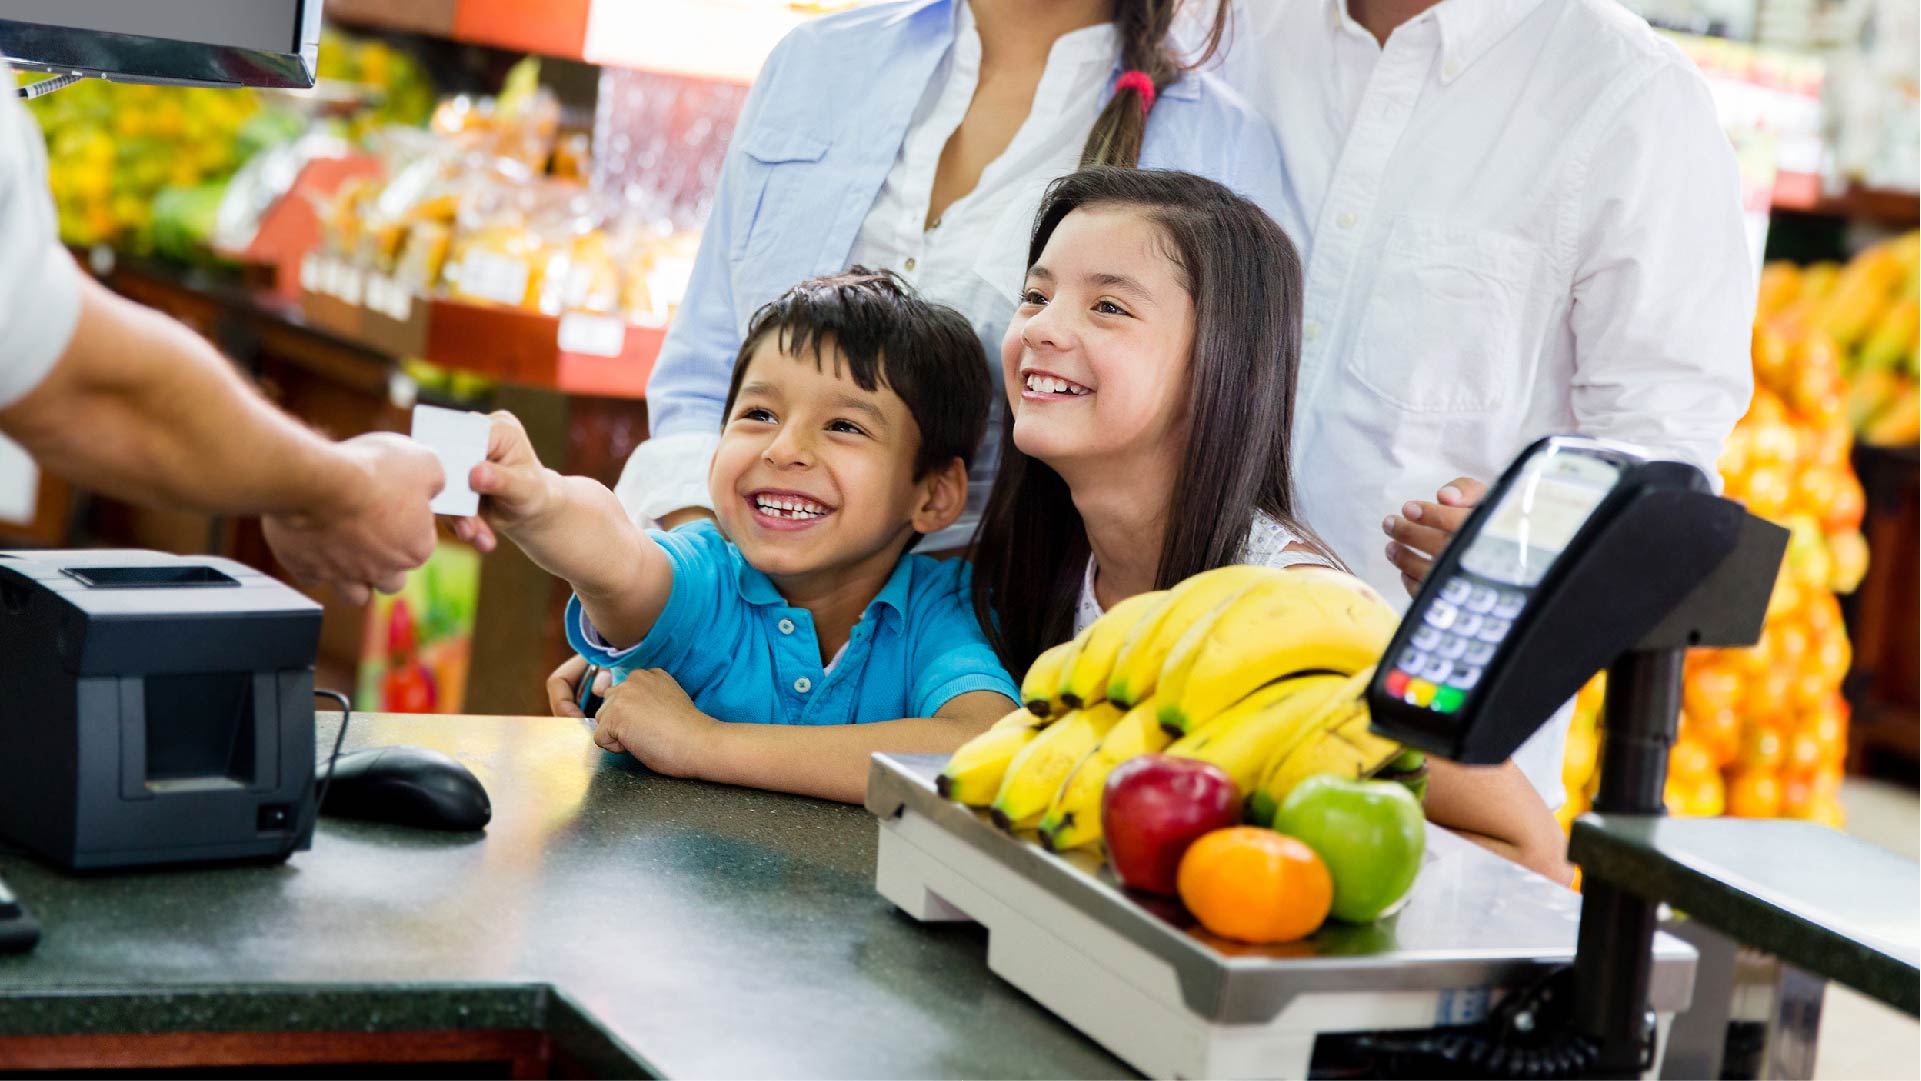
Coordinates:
973	774
1305	619
1137	666
1335	739
1085	682
1243	739
1039	768
1040	687
1073	819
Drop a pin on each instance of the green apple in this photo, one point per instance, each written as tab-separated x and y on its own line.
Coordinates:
1369	833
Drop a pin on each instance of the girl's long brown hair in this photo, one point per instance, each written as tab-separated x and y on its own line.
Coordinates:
1244	276
1144	27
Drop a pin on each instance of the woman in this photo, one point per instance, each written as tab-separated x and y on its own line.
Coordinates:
918	137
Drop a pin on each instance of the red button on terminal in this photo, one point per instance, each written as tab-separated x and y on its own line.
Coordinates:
1397	683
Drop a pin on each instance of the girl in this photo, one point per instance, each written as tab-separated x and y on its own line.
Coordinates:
917	137
1150	371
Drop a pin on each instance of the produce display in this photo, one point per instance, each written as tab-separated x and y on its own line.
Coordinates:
1764	731
1213	739
145	168
491	206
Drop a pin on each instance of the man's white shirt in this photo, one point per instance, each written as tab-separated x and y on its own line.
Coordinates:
39	284
1517	217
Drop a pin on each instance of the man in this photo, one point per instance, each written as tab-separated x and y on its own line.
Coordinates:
122	399
1519	217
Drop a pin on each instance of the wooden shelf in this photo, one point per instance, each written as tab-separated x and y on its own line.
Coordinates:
1886	206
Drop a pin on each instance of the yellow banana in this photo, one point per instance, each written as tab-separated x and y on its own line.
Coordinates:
973	773
1245	737
1043	679
1138	664
1038	770
1074	817
1338	742
1086	681
1311	619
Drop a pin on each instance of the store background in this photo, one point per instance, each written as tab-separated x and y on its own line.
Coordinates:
488	208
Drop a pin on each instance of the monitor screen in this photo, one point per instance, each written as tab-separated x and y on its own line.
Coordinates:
201	42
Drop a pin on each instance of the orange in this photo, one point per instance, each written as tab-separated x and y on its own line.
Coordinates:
1754	795
1707	799
1710	689
1788	643
1844	511
1689	760
1804	755
1720	733
1827	811
1762	748
1830	728
1812	686
1797	797
1255	885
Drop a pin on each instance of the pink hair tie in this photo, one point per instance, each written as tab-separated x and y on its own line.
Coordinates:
1139	82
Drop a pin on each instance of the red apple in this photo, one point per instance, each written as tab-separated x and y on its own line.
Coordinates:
1153	807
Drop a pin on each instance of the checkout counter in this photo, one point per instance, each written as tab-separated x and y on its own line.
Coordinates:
615	922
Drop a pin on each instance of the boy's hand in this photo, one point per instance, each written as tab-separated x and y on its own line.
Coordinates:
651	718
1422	530
512	484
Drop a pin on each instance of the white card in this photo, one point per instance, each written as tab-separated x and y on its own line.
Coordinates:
460	439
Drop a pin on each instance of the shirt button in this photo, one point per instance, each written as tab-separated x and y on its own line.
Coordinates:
909	264
1451	69
803	685
1346	221
786	626
1312	331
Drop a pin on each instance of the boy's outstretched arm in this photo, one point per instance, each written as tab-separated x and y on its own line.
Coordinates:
1498	808
650	717
573	528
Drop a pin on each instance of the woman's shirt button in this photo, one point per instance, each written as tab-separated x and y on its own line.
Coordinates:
786	626
803	685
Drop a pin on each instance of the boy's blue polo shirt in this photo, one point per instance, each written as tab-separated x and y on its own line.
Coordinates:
733	644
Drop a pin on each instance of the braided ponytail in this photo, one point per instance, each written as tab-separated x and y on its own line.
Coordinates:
1147	57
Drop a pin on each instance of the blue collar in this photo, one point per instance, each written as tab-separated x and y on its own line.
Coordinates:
759	590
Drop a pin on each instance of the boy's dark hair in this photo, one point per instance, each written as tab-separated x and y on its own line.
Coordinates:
926	353
1244	276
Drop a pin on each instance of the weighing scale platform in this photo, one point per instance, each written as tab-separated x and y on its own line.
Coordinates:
1174	1001
1830	904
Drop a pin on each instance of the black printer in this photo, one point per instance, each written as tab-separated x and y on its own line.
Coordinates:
153	709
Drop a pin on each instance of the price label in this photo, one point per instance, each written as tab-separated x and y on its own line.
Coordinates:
592	335
353	285
493	277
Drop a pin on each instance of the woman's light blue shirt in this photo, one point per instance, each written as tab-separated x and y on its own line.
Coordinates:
817	136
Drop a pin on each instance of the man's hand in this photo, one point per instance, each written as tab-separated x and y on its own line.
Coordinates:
384	530
1422	530
512	483
651	718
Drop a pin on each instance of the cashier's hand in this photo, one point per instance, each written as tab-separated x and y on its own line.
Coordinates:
651	718
512	484
381	530
1422	530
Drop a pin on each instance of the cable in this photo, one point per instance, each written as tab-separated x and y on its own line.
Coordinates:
320	795
47	86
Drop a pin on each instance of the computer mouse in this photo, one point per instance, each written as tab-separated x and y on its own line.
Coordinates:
406	786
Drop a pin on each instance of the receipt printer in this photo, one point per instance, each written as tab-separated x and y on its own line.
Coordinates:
153	709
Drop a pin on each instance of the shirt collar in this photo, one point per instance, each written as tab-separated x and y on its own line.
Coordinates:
759	590
1469	28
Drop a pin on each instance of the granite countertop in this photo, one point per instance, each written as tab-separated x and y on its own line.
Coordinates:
651	926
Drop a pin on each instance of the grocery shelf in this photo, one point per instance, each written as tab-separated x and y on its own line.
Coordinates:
721	40
1886	206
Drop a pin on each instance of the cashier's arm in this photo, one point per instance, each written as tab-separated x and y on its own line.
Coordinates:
142	408
1498	808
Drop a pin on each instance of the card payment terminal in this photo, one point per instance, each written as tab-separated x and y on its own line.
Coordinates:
1577	552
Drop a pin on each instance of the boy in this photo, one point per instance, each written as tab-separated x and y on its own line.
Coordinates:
853	413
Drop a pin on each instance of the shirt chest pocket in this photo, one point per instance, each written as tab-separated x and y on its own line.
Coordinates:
783	209
1451	324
